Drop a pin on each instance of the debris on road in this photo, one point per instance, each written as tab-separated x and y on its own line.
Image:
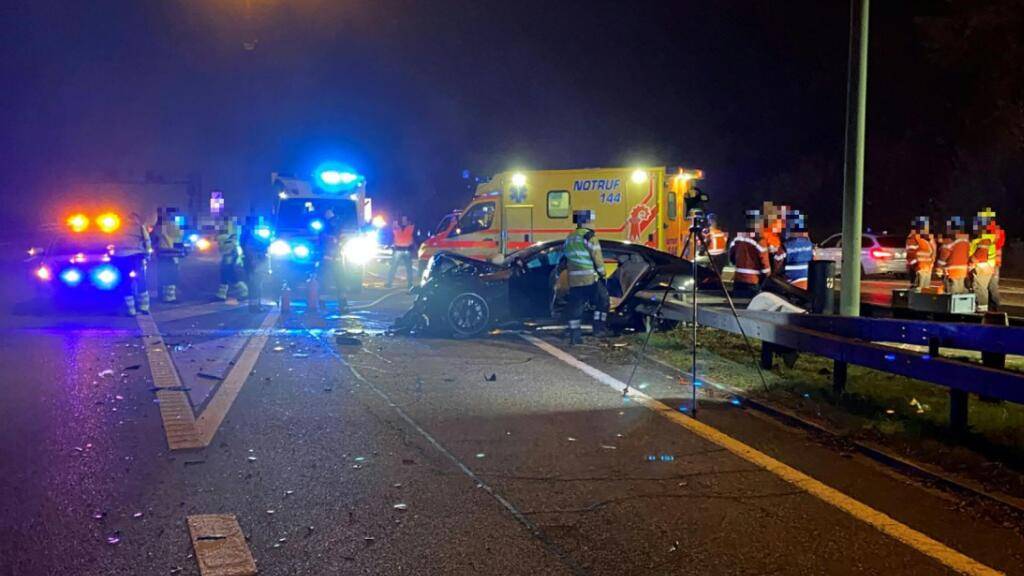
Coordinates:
251	458
300	355
492	378
209	376
132	367
481	455
114	538
137	515
609	447
401	507
345	340
570	439
278	349
108	373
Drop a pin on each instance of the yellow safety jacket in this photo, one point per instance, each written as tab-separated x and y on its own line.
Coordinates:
584	260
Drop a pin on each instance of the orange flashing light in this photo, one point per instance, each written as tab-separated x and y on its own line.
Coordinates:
108	222
78	222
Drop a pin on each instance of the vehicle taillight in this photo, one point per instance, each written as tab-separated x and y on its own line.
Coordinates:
879	254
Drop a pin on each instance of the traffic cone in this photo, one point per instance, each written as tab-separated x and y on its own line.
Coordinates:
286	298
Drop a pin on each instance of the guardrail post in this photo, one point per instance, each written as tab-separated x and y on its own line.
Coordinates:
839	377
767	355
933	347
994	359
957	410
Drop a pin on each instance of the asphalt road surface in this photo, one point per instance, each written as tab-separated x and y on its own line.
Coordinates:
399	455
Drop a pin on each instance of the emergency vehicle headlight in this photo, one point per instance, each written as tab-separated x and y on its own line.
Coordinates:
280	248
379	221
203	244
519	179
360	250
316	225
263	233
108	222
71	276
43	273
105	277
639	176
301	251
78	222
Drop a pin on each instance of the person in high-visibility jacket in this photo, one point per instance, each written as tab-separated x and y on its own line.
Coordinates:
1000	241
983	264
771	233
797	250
954	256
920	254
585	269
718	243
169	240
403	245
749	256
230	260
130	252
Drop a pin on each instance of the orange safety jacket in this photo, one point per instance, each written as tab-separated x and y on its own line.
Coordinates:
403	236
1000	242
954	256
982	254
920	255
750	258
718	241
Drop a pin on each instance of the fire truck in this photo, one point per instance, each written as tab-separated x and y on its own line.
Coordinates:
514	210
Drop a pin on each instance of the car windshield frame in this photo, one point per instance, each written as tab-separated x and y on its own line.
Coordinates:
298	218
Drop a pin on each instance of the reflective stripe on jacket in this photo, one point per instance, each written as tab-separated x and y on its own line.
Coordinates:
920	254
750	258
584	260
954	256
718	241
799	251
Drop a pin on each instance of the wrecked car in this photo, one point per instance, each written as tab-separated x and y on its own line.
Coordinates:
465	297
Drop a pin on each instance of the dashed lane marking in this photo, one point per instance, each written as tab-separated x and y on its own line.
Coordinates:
217	409
220	545
880	521
175	409
183	430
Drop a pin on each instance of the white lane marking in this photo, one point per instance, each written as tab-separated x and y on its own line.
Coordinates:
212	417
880	521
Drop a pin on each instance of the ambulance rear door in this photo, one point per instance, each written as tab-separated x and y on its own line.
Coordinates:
673	227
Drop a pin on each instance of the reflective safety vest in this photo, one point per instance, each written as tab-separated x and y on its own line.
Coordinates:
169	237
403	236
718	242
798	252
983	253
584	260
920	254
750	258
227	239
1000	242
954	256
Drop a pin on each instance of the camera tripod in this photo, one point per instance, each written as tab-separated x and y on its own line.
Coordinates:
695	238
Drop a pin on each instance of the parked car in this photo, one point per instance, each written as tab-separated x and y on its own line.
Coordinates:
879	253
463	296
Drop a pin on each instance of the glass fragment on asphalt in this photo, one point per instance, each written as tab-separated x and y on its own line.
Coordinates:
108	373
114	538
401	507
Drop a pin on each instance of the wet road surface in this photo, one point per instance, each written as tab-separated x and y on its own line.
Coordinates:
423	456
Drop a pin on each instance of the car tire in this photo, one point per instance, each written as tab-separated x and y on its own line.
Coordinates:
468	315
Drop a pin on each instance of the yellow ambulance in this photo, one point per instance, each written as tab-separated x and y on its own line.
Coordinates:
514	210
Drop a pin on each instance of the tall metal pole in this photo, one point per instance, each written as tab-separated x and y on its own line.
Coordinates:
853	188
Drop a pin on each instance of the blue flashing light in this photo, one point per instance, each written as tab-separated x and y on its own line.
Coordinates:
316	225
105	277
262	232
334	177
179	220
890	357
734	401
301	251
71	276
193	238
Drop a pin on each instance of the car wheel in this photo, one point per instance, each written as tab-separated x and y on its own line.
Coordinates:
468	314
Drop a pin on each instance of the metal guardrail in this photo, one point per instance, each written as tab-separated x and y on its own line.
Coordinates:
857	341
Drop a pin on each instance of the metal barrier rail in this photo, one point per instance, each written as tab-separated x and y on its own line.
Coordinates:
853	341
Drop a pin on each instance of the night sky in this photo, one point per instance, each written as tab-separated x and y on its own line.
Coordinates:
413	93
